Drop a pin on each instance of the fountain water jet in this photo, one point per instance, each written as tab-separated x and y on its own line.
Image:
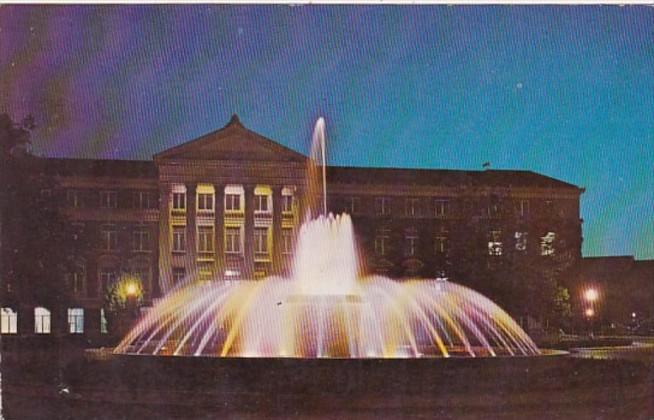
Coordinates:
325	309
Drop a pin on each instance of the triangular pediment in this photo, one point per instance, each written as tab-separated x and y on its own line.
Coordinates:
232	142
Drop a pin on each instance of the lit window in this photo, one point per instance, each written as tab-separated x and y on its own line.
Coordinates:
412	206
234	198
76	320
8	321
411	243
232	273
441	207
205	271
141	240
205	238
178	198
41	320
261	241
547	244
178	274
521	241
382	206
205	202
109	238
495	243
382	239
440	243
233	240
287	200
108	199
179	238
205	198
233	202
73	198
103	322
287	240
261	203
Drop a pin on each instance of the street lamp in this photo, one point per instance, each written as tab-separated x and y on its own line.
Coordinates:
591	295
131	291
590	313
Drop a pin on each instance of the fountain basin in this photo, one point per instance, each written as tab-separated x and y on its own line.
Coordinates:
524	387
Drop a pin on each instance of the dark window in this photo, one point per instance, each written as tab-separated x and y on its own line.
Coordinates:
108	199
382	206
205	238
441	207
179	238
179	201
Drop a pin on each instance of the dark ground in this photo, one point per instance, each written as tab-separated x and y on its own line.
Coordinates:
594	384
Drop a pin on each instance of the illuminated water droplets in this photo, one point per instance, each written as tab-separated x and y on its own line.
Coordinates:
325	310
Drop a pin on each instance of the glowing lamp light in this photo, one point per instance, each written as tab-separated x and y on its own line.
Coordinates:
590	312
633	314
591	295
131	289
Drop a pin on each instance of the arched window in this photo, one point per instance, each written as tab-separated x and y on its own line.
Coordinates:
41	320
8	321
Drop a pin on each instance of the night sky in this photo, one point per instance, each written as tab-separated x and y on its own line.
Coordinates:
565	91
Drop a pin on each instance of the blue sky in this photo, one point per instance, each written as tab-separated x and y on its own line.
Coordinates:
567	91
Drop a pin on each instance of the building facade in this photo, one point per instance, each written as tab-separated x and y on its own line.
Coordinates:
623	299
228	205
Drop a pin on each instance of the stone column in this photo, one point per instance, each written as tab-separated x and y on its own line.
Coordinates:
248	251
219	229
165	253
277	230
191	229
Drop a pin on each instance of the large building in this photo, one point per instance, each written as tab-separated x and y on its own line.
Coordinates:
623	292
227	206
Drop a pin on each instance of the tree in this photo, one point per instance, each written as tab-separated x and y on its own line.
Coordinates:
14	138
122	299
35	240
521	277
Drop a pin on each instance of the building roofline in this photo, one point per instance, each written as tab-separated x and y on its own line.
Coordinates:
234	122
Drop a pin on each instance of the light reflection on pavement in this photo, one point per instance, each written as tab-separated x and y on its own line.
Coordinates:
642	349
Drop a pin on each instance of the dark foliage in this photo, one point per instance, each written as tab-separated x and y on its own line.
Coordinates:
35	239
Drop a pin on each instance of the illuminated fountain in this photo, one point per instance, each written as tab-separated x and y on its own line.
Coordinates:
326	309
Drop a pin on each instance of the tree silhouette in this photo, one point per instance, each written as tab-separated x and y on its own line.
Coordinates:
35	241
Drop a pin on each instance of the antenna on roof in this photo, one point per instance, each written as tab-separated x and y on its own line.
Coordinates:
486	165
